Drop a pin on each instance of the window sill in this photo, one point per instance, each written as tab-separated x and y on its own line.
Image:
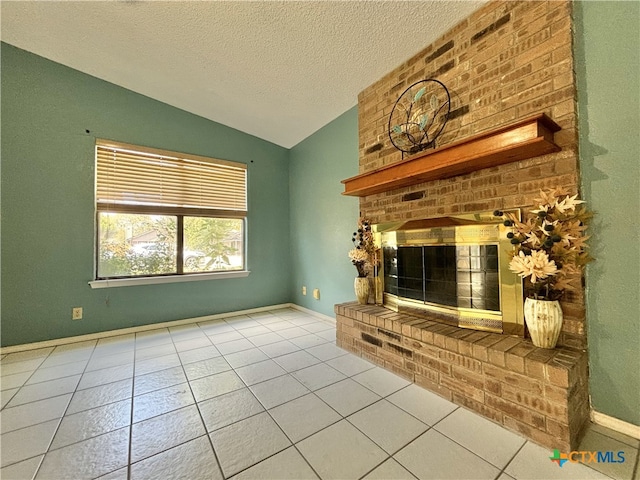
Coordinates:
130	282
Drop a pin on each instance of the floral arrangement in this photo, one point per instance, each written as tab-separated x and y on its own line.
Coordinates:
363	247
551	246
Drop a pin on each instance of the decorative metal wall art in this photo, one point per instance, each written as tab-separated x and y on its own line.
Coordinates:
419	116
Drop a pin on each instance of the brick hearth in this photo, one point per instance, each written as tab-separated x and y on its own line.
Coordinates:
539	393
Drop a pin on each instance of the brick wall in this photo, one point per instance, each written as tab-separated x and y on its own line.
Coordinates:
507	61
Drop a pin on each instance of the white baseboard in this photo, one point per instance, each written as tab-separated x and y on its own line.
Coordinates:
315	314
144	328
616	424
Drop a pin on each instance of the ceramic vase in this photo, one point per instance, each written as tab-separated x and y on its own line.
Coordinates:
544	321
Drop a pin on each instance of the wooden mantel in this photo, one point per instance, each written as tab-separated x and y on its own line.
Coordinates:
526	138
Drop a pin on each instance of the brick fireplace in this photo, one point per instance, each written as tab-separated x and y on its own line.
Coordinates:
507	62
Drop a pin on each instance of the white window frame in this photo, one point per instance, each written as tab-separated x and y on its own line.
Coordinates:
228	200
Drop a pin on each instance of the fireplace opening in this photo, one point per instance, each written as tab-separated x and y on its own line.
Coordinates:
454	275
453	270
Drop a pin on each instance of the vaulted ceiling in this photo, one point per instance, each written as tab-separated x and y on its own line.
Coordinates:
279	70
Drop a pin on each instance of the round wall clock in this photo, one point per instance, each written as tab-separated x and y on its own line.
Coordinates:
419	116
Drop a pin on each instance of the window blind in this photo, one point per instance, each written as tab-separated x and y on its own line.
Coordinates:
143	179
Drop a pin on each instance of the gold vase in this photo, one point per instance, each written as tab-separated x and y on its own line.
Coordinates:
361	287
544	321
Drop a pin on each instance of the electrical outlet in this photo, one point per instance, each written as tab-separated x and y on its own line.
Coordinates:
316	293
76	313
304	290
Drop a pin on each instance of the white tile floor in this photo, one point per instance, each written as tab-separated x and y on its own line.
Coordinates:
266	396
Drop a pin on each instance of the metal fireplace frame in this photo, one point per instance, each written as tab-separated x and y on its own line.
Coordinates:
467	229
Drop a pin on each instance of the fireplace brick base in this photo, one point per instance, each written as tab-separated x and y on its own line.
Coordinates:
541	394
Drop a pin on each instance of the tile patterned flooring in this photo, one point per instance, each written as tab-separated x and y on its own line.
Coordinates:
264	396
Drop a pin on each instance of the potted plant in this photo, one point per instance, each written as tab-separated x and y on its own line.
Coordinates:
361	255
550	250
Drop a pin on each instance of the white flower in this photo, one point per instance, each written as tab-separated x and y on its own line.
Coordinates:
545	224
567	238
358	255
537	265
532	240
543	208
568	203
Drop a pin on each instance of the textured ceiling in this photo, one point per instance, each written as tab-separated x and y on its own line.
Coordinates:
279	70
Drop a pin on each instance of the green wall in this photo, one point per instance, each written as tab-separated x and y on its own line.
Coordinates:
607	48
48	204
322	220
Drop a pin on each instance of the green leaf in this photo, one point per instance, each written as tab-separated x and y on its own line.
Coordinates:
424	120
397	129
419	94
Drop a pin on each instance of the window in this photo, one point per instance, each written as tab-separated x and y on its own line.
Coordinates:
167	213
